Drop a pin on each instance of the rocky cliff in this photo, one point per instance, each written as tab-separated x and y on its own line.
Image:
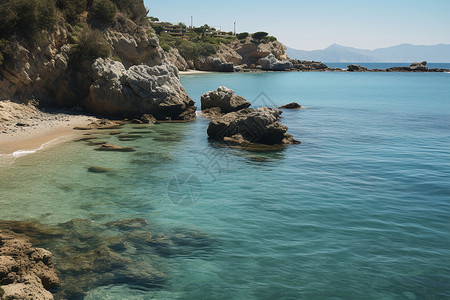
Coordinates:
141	81
241	54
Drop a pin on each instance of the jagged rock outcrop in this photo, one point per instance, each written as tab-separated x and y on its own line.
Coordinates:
414	67
207	63
39	72
174	57
251	52
26	273
226	67
356	68
250	126
145	83
271	63
139	90
304	65
225	99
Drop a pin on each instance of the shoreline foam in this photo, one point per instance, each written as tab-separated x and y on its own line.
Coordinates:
25	130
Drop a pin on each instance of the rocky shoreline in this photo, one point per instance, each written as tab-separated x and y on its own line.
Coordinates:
86	255
271	64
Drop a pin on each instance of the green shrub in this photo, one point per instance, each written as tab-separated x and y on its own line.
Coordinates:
259	35
2	292
71	8
134	9
190	50
165	47
116	58
270	39
46	14
2	46
104	10
26	17
91	45
242	36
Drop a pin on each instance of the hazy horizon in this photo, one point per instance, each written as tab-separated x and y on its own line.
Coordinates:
310	26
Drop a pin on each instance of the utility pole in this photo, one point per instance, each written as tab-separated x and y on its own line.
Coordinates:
192	21
234	28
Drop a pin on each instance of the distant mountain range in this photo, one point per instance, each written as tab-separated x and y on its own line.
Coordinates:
401	53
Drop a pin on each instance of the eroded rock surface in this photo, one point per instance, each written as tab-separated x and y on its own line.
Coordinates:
26	273
271	63
249	126
139	90
225	99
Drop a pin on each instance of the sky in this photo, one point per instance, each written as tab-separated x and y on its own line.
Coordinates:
316	24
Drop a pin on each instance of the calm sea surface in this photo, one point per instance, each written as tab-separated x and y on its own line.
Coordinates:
359	210
384	66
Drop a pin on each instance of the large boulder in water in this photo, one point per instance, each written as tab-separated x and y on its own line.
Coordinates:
249	125
225	99
356	68
139	90
271	63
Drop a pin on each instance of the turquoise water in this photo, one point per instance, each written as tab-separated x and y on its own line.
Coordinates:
359	210
384	66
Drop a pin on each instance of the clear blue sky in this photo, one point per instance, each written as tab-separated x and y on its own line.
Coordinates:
316	24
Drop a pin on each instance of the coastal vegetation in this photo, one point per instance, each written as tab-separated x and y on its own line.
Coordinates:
199	41
25	20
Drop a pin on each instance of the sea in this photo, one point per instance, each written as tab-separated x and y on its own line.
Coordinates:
383	66
359	210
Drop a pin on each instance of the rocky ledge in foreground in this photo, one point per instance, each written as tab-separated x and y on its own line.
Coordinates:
26	273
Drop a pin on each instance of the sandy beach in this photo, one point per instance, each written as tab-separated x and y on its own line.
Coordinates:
25	128
194	72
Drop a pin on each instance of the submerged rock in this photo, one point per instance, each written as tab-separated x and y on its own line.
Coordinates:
99	170
111	147
225	99
139	90
249	126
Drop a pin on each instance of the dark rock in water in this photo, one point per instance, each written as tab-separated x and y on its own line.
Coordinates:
224	98
414	67
25	272
356	68
128	224
131	136
293	105
226	67
419	67
95	143
88	255
148	119
115	132
304	65
99	170
248	126
111	147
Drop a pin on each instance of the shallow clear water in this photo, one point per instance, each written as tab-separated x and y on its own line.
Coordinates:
359	210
